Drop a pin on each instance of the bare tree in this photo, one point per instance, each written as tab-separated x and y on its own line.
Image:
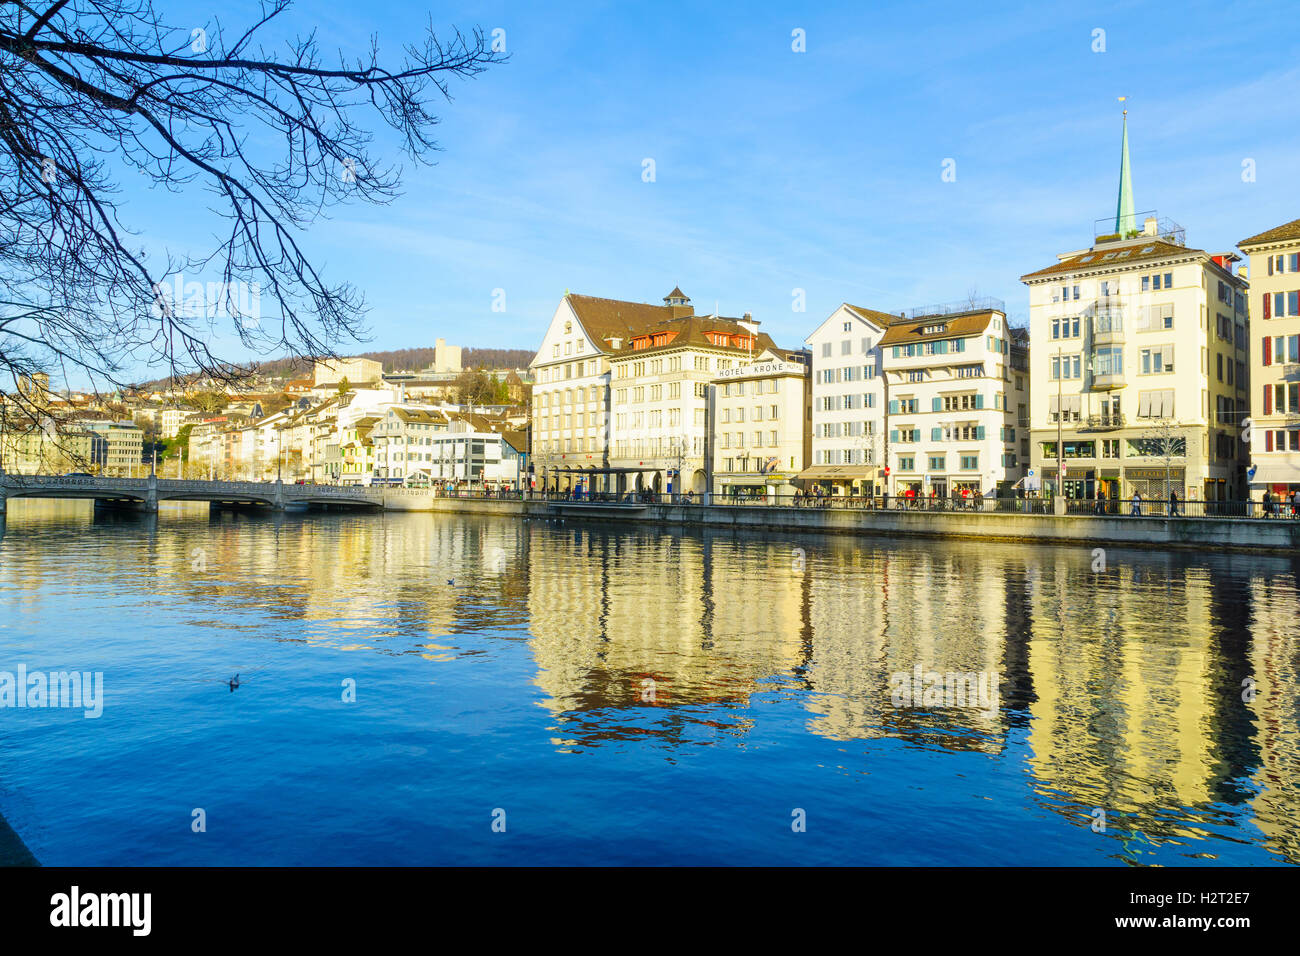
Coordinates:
1163	442
92	91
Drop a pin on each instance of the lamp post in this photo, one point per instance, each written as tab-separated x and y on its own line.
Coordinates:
1060	431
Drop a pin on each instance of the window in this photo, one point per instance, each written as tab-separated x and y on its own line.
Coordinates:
1156	404
970	462
1175	447
1157	361
826	350
1066	367
1064	408
1108	361
937	462
907	463
1065	328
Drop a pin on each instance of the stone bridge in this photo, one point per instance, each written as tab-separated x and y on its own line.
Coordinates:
145	493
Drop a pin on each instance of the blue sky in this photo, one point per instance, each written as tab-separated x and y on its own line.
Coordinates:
777	170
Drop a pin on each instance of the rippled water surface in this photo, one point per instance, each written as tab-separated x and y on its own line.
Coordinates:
622	694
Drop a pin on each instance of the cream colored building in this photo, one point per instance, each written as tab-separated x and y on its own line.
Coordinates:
760	428
620	393
1275	360
1140	364
357	371
957	384
848	402
660	384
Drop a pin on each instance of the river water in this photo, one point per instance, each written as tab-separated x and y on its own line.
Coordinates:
429	689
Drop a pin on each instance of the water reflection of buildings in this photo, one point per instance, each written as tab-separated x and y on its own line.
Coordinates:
1137	674
1274	666
1123	688
346	581
715	620
876	613
706	621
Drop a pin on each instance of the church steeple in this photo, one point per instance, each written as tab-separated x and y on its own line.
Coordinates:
1125	217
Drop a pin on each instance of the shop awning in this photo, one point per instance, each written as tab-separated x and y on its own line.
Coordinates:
838	472
1275	473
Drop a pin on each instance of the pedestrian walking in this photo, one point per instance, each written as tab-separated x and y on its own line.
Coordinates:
1137	505
1173	503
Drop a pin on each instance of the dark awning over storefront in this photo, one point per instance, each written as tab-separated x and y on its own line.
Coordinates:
838	473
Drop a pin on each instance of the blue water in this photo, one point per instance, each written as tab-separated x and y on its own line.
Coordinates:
520	688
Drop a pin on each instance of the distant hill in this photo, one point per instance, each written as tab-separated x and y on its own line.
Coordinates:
397	359
411	360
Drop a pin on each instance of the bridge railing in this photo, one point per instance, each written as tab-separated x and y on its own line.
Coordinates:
173	486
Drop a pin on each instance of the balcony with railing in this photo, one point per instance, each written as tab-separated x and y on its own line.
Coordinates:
1141	226
1105	422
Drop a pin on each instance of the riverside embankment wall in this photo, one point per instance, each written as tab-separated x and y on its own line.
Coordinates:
1234	534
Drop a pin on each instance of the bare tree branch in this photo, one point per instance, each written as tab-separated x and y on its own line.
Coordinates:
94	90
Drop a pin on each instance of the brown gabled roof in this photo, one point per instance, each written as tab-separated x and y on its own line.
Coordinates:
1288	230
904	331
516	439
690	332
613	318
1096	258
883	319
677	293
419	415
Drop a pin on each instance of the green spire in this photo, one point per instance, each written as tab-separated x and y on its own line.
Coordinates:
1125	218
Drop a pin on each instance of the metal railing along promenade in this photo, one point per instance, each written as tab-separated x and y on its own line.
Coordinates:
1145	508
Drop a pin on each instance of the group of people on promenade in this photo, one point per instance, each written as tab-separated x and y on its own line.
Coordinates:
1277	505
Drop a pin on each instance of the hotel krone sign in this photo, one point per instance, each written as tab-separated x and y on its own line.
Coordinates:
764	368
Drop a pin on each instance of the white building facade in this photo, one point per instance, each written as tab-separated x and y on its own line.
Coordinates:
1275	360
847	403
760	429
954	397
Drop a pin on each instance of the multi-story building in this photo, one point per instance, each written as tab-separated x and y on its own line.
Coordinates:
28	448
354	371
956	382
570	427
123	448
170	421
1140	370
403	440
759	426
848	402
465	455
620	393
1275	362
356	464
1140	365
660	384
